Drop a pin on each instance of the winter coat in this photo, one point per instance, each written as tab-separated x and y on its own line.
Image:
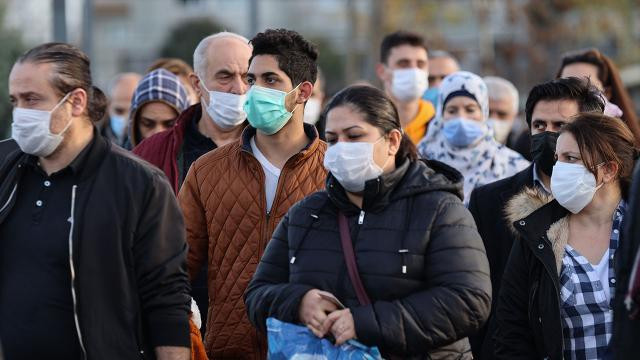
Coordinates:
626	331
224	203
419	255
528	314
130	280
487	205
163	149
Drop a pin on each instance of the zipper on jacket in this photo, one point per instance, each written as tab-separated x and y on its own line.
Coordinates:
13	192
73	272
361	218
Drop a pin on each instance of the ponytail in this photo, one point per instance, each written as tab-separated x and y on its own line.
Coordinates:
407	150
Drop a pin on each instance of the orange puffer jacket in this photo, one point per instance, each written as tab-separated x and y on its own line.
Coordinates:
224	204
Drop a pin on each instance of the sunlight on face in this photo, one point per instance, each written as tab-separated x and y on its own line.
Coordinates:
462	106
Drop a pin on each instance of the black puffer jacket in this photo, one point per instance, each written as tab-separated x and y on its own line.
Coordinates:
428	312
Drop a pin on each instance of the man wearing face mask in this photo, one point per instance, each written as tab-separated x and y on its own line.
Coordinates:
93	253
120	94
503	106
218	119
403	70
220	63
441	64
549	107
234	196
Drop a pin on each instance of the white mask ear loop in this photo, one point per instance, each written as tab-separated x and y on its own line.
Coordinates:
388	157
601	185
285	97
55	108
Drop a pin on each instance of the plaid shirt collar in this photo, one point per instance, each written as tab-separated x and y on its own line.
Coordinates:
586	312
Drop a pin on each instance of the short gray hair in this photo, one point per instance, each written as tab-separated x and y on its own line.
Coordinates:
200	54
500	89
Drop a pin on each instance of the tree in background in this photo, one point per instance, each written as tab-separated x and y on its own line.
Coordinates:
12	48
184	38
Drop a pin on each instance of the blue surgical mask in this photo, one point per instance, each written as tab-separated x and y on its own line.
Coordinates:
431	95
118	124
266	110
462	132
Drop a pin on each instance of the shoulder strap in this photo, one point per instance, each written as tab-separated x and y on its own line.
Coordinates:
350	260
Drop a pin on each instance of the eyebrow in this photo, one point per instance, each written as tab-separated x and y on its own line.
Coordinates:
269	74
158	120
24	94
571	153
555	121
344	130
224	72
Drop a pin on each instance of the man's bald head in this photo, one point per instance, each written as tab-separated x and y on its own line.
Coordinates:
220	63
208	47
121	91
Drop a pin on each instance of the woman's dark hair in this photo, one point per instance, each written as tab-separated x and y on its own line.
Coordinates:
610	78
603	139
378	110
71	70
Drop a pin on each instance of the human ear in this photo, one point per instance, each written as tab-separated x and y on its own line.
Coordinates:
79	102
395	140
305	90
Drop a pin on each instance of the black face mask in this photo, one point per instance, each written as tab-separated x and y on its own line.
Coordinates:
543	151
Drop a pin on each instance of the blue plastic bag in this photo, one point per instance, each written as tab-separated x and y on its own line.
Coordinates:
288	341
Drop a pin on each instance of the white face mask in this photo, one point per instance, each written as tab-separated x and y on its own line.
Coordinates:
225	109
351	163
31	129
501	129
409	84
312	111
573	186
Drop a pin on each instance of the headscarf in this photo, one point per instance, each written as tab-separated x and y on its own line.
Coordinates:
481	163
158	85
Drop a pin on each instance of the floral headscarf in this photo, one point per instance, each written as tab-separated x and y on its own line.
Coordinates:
482	162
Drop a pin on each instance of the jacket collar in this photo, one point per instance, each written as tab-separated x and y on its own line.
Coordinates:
184	120
308	151
536	214
409	179
89	159
376	194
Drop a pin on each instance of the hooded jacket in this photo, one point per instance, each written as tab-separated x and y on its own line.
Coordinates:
411	219
164	149
160	85
528	317
128	252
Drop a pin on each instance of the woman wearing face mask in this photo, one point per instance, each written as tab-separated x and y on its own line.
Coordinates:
416	294
556	294
461	137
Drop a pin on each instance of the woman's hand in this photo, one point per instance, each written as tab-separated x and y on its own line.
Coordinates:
341	325
314	309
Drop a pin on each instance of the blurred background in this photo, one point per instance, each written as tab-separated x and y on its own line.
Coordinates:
521	40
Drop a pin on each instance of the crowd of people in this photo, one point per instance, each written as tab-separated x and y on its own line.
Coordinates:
171	217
